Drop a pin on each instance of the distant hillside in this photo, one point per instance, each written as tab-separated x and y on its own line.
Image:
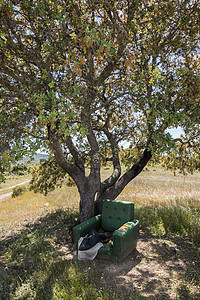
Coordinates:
36	158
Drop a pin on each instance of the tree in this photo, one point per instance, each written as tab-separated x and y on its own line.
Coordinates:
80	77
186	156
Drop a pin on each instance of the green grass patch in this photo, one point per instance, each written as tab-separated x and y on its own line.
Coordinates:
181	218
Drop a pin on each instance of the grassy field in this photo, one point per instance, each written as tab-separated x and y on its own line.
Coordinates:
36	251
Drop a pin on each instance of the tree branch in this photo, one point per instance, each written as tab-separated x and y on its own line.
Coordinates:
116	162
70	168
75	154
113	191
86	120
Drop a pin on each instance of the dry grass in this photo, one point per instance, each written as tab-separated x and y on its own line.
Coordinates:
159	187
29	206
155	188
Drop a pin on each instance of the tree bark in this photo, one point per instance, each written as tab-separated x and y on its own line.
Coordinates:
111	192
87	188
87	203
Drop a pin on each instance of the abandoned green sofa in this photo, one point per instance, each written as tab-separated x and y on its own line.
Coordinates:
116	217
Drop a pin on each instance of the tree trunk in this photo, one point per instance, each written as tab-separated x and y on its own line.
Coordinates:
86	206
87	194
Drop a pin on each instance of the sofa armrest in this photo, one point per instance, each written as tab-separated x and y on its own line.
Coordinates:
83	228
125	237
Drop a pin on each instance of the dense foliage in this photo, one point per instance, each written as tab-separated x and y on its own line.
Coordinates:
80	77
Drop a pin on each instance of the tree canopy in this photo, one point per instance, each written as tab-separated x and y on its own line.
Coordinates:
80	77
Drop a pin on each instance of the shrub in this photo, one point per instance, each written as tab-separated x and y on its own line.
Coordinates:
18	190
20	169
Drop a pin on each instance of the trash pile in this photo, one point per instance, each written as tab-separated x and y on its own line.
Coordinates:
89	245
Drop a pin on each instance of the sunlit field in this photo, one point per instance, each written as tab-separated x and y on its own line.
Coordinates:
159	187
29	206
154	187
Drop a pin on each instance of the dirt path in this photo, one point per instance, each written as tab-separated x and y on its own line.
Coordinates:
8	195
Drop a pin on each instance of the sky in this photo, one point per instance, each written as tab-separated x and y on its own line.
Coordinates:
176	132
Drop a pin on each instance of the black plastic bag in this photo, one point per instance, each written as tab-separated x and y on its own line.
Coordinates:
90	240
105	237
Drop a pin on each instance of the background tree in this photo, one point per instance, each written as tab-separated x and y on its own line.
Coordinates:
80	77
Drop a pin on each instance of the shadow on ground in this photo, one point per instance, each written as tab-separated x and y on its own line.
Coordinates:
40	262
33	259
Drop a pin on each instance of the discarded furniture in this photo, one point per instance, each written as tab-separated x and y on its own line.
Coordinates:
117	217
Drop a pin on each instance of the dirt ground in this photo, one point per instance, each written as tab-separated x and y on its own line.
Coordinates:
158	269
